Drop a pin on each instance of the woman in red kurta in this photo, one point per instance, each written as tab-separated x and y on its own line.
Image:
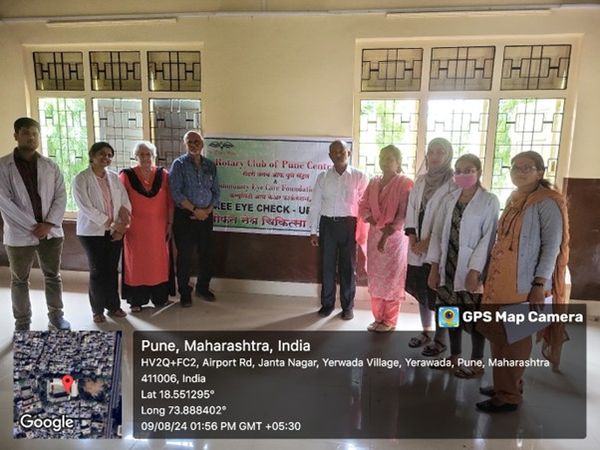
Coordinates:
146	247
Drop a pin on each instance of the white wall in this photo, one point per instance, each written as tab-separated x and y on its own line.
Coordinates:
294	75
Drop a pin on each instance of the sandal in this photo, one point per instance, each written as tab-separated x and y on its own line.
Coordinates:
373	326
434	349
444	366
99	318
419	341
383	328
117	313
135	309
468	372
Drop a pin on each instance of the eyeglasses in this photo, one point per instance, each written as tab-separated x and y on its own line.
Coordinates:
523	169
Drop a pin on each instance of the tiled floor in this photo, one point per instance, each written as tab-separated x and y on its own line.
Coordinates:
235	311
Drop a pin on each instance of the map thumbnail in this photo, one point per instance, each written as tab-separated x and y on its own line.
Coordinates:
67	384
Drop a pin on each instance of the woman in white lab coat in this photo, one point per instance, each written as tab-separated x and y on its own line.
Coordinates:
103	217
423	202
463	235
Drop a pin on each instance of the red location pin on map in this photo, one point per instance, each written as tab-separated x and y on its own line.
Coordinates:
67	382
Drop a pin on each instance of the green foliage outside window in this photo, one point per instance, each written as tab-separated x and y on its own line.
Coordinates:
64	138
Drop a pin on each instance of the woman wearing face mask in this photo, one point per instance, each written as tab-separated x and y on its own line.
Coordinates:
423	202
463	235
383	206
528	264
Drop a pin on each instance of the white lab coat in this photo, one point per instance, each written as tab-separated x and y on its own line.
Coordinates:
412	213
91	219
15	204
476	237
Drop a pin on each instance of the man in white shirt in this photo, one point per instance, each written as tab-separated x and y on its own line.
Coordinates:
333	213
32	203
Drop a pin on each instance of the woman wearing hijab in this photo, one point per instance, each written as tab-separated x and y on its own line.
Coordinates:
528	264
423	202
461	241
383	206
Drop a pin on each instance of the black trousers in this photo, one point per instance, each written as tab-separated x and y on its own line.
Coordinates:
141	295
193	235
337	239
477	342
103	257
416	285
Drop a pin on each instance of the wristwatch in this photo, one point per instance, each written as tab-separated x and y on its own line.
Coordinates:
537	283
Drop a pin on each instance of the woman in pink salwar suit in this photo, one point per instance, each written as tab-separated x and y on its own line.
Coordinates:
383	206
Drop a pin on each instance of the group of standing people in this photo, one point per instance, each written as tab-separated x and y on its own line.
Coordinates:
133	214
136	213
440	240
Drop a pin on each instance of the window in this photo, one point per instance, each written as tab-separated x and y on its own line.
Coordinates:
493	99
388	121
118	121
64	136
169	121
118	96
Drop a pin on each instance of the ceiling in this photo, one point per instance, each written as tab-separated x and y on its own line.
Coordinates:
15	9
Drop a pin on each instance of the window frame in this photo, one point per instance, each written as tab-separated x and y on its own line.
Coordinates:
145	95
494	95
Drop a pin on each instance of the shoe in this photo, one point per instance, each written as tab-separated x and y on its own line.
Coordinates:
347	314
135	309
207	295
165	304
117	313
99	318
58	323
372	326
489	406
22	327
324	311
383	328
489	391
185	300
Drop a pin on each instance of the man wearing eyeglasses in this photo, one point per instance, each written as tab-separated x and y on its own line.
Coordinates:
32	203
195	190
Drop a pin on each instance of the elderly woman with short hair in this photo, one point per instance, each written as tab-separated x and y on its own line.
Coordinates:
102	220
146	246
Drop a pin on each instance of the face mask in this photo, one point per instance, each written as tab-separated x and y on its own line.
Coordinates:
465	181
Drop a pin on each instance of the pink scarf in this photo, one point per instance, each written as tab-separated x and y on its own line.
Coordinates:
384	204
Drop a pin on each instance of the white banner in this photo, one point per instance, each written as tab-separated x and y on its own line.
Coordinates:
266	183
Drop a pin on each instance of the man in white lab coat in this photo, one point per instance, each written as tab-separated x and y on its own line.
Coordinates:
32	203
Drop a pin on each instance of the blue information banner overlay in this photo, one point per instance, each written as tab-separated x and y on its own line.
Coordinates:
283	384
